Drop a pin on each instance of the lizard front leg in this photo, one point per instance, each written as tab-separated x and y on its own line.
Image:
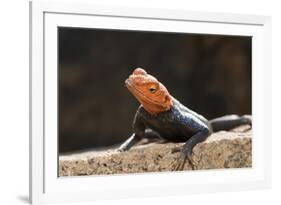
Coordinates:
131	141
186	150
138	135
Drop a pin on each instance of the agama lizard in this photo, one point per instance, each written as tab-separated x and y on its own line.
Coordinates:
161	115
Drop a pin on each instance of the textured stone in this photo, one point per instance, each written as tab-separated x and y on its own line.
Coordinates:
224	149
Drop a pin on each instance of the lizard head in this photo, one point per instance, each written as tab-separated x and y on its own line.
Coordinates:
152	94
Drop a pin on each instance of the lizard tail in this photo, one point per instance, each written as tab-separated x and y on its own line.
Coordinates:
230	121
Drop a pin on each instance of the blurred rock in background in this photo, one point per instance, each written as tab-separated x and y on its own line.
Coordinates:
210	74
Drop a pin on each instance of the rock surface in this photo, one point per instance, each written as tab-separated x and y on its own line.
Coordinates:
232	149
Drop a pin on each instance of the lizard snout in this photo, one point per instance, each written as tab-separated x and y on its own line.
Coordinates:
139	71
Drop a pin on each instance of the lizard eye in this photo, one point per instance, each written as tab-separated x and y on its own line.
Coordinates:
152	89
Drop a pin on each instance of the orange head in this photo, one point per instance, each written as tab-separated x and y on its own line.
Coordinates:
153	96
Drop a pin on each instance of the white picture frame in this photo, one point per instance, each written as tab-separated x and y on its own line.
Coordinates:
45	186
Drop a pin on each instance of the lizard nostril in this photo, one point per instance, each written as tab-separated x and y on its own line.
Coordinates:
139	71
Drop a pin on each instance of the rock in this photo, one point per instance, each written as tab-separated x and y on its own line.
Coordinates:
224	149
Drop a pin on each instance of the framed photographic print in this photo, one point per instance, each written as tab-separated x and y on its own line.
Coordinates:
129	102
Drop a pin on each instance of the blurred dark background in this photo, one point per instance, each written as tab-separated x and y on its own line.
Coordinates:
210	74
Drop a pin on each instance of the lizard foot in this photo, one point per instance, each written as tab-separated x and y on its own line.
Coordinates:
247	119
178	164
121	149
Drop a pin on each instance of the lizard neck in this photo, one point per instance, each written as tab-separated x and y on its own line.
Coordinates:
155	108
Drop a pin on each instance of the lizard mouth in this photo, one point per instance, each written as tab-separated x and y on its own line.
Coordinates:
139	95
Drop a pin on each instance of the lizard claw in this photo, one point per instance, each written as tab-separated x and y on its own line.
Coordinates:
179	163
120	149
175	149
247	119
